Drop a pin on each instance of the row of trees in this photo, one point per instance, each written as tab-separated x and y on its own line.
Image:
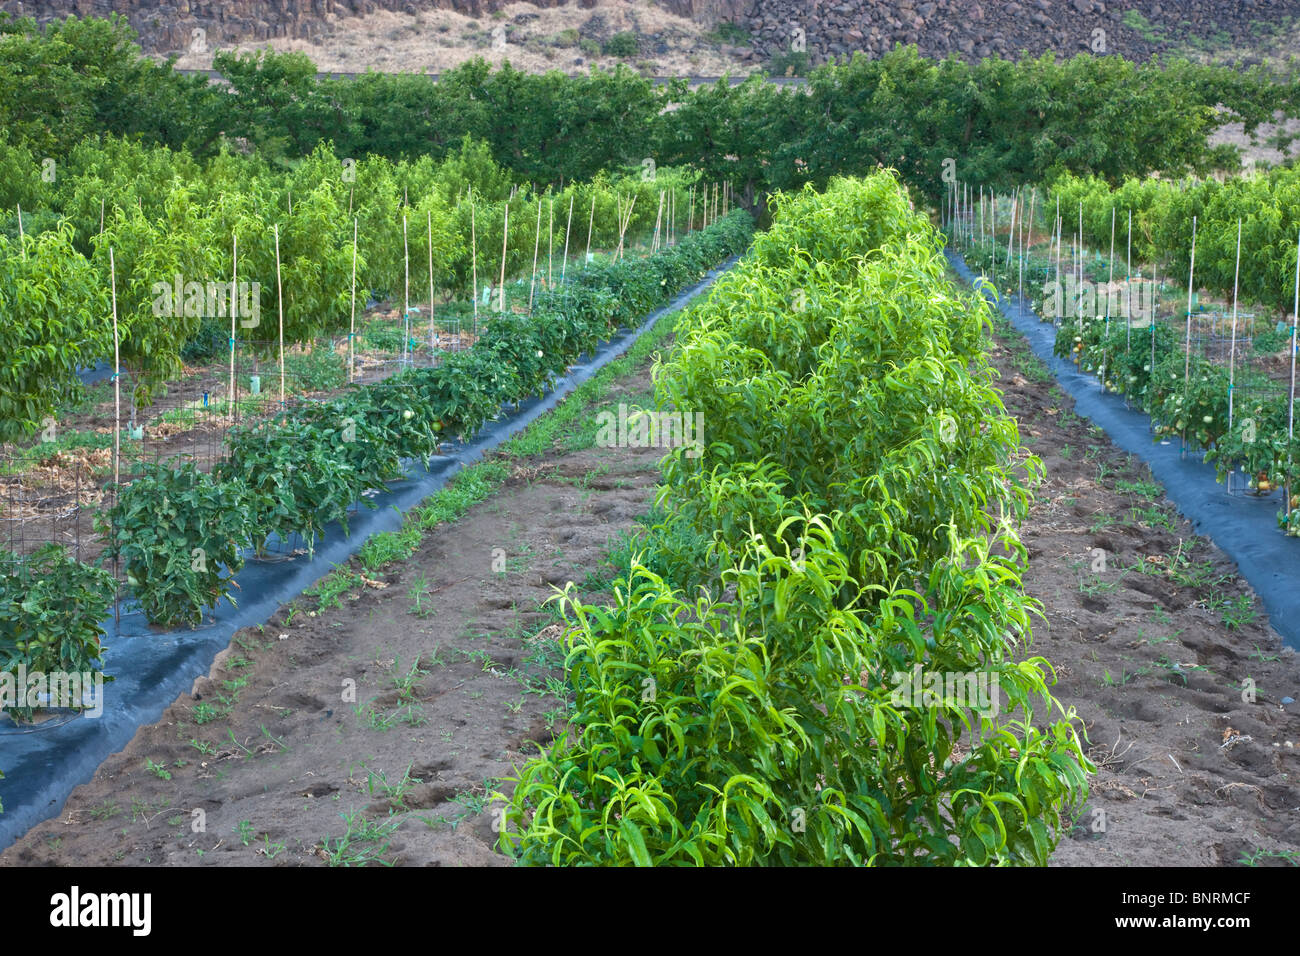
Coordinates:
133	218
1266	206
1003	122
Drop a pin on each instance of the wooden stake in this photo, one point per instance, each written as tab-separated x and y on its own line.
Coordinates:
473	260
1110	277
1232	347
279	292
624	222
658	220
406	293
352	323
234	285
505	234
564	267
117	378
1128	284
1295	320
537	241
432	337
1187	363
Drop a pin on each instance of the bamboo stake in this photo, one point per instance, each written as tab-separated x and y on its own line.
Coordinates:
626	221
1187	364
1081	264
22	239
432	334
550	243
658	220
352	321
505	233
564	267
473	262
672	216
591	221
1155	310
234	285
537	242
1011	234
279	291
1290	422
406	295
117	377
1232	348
1110	277
1058	260
1128	284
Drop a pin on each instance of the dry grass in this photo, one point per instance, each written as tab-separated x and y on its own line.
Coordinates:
438	40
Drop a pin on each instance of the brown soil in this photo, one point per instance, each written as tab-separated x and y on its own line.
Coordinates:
292	755
1189	773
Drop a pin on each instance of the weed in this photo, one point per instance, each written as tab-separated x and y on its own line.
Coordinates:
363	842
334	585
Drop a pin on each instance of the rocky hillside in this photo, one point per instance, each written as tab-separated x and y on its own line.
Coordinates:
978	28
699	36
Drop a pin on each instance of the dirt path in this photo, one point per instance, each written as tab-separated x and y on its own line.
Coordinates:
281	762
1153	635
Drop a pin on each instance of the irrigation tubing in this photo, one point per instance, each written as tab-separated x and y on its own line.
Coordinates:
151	668
1243	527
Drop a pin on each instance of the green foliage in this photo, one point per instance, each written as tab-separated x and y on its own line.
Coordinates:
179	533
299	471
790	63
622	44
1134	20
320	370
859	535
52	610
1008	122
56	310
294	474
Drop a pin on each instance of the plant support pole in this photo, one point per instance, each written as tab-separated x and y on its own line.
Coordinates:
1187	345
564	267
352	322
1232	348
234	284
537	243
505	232
279	297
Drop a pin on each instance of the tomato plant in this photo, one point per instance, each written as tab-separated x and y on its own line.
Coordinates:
179	533
52	612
